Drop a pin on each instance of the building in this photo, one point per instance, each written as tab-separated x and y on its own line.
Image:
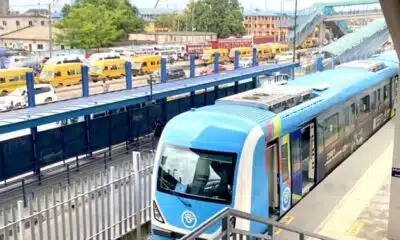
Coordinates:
12	23
30	38
265	23
4	7
174	37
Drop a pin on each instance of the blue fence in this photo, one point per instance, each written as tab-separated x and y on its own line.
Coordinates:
54	145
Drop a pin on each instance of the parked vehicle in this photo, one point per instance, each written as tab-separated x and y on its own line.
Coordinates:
12	78
107	69
145	65
209	55
73	58
245	62
210	69
60	75
44	93
170	55
285	56
243	52
172	73
104	56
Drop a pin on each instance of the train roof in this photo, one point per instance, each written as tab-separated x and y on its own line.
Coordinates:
328	88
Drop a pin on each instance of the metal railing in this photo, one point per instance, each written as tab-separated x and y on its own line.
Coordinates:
228	216
106	205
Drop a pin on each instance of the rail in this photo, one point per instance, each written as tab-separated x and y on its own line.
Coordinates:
228	216
106	205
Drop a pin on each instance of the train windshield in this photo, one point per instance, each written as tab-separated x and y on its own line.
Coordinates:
199	174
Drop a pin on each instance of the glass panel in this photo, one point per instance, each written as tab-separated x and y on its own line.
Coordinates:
197	173
364	104
331	132
295	151
285	161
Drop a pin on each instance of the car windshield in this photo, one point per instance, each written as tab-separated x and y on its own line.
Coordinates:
45	75
136	65
206	56
95	69
194	173
18	92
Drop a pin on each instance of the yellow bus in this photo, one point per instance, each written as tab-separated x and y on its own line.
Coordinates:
277	48
107	69
12	78
208	55
243	52
145	64
59	75
264	52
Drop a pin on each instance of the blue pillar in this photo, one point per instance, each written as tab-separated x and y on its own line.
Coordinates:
85	93
30	89
236	61
31	104
254	62
192	66
319	64
163	70
85	81
128	75
216	62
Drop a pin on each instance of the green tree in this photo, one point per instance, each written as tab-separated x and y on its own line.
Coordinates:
88	26
98	23
174	22
66	9
126	14
223	17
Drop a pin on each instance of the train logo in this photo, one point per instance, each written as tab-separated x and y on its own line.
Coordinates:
189	220
286	199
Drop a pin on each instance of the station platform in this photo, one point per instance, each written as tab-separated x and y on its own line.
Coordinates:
353	201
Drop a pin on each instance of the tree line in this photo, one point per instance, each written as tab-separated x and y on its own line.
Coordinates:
99	23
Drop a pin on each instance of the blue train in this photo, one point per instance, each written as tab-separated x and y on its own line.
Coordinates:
262	150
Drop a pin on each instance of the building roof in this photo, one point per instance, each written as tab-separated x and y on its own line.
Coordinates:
29	33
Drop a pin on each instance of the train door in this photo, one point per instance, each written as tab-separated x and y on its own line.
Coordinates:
285	176
278	167
303	161
273	183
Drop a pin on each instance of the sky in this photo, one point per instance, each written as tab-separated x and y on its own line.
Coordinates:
247	4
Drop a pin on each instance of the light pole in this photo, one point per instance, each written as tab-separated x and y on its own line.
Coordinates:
294	31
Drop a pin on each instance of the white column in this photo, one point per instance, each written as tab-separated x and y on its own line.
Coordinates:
391	11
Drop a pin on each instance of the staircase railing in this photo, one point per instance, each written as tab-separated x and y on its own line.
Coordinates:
227	218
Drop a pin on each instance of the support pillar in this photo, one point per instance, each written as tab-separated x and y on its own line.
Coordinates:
321	38
391	11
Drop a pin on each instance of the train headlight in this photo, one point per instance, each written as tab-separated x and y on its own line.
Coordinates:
157	213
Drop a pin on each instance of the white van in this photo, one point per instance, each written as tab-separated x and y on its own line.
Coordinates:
285	56
103	56
170	55
72	58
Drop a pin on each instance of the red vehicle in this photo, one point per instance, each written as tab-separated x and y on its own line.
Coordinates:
239	42
196	49
210	69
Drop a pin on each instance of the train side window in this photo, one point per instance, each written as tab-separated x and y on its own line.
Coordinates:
385	92
364	104
285	161
374	100
295	152
379	94
331	132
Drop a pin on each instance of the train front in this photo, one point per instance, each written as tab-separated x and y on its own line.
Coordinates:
195	171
